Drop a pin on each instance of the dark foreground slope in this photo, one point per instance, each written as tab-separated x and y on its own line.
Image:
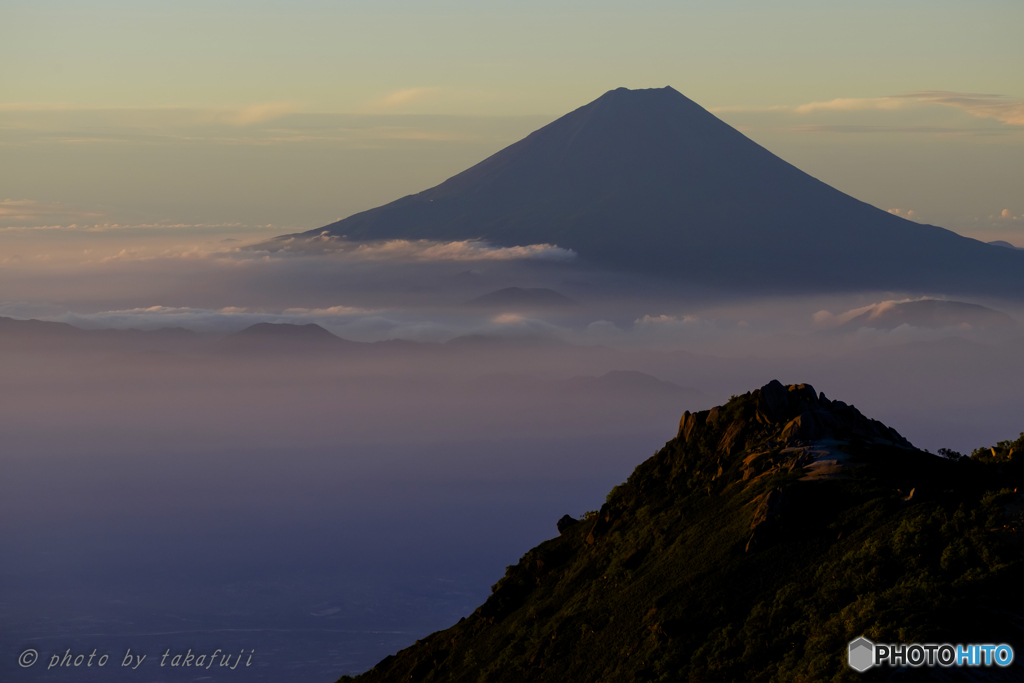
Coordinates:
753	547
648	181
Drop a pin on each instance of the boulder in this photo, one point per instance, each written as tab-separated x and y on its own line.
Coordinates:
565	523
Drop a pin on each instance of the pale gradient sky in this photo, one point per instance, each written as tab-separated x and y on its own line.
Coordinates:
294	114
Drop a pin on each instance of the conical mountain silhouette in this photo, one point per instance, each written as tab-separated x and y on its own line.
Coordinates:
647	180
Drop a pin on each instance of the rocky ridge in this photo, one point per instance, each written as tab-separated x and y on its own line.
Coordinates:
792	425
768	534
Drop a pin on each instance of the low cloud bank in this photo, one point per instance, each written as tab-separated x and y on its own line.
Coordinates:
413	250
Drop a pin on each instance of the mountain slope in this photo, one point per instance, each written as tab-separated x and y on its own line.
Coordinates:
647	180
754	546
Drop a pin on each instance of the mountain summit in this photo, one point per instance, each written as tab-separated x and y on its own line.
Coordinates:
649	181
771	532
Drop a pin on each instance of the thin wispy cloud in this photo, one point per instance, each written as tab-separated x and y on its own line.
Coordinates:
30	209
898	130
405	96
255	113
986	106
44	107
827	318
265	124
998	107
852	104
330	310
112	227
236	115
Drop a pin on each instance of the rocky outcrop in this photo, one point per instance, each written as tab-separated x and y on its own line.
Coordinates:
777	429
807	416
565	523
781	426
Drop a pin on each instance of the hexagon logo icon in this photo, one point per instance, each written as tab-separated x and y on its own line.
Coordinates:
861	654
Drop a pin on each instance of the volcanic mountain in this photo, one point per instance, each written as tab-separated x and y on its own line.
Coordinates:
649	181
771	532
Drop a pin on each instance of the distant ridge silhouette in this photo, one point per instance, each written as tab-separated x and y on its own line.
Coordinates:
649	181
283	337
284	331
